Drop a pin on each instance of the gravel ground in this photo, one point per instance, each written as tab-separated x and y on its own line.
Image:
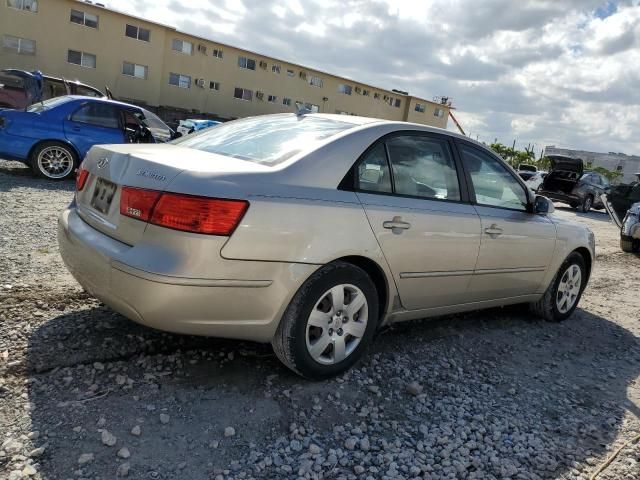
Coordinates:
498	394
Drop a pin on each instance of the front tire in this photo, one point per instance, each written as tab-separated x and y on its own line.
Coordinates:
53	160
329	323
629	244
562	297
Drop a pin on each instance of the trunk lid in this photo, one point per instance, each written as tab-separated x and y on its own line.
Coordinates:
566	164
146	166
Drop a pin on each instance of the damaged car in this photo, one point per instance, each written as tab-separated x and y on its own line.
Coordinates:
568	182
623	206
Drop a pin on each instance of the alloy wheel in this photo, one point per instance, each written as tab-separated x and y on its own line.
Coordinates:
55	162
337	324
569	288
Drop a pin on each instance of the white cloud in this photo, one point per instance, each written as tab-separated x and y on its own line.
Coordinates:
539	71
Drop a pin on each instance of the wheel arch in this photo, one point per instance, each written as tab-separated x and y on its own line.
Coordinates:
588	261
377	275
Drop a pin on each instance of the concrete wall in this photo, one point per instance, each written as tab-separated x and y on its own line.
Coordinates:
55	34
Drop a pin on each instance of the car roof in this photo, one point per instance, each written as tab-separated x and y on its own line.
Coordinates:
103	100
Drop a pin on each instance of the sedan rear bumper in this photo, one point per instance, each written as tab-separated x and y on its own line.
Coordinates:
248	308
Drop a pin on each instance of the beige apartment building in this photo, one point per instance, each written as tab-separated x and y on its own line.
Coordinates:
154	64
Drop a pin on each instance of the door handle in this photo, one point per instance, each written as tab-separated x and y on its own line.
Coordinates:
396	225
493	230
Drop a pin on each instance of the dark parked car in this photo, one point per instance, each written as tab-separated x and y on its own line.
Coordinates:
53	136
623	205
567	182
13	93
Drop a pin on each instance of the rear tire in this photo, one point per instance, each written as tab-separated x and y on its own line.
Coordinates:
53	160
563	295
587	203
313	338
629	244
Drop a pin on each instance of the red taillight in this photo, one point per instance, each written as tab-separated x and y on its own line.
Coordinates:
211	216
81	178
138	202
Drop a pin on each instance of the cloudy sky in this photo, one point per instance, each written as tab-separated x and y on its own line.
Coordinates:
546	72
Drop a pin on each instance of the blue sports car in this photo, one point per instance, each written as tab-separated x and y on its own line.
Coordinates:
53	136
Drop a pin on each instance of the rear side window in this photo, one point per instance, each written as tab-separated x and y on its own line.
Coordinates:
265	140
423	167
373	171
98	114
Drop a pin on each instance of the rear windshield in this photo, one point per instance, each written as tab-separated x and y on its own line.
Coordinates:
267	140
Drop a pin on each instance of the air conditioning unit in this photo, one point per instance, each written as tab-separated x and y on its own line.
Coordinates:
202	48
259	95
200	82
263	64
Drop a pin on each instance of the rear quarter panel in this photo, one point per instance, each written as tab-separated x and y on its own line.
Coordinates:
23	131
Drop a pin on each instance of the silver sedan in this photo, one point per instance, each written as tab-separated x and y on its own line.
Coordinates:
313	231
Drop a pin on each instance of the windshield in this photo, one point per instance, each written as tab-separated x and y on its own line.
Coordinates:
268	140
47	104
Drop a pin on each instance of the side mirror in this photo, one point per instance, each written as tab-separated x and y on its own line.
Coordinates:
543	205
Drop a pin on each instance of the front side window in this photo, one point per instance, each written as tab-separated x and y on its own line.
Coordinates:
83	18
182	46
177	80
22	46
423	167
27	5
493	185
83	59
266	140
373	171
98	114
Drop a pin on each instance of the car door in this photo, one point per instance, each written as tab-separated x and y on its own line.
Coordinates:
94	123
410	189
516	246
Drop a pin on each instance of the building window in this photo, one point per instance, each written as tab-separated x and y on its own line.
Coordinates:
376	96
438	112
286	101
247	63
346	89
182	46
82	18
83	59
272	99
365	93
138	33
420	107
27	5
19	45
397	103
217	52
177	80
315	81
134	70
275	68
214	86
243	94
291	73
